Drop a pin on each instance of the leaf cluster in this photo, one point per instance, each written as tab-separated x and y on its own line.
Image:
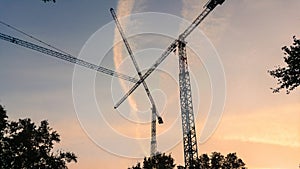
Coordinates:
49	1
25	145
214	161
158	161
288	77
218	161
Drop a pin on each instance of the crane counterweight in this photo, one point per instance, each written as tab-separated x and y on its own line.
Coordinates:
213	3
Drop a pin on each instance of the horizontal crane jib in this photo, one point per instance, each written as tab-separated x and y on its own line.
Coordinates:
66	57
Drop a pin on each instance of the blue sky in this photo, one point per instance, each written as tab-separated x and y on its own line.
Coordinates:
248	35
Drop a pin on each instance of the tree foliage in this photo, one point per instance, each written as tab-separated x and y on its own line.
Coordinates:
25	145
218	161
214	161
159	161
49	1
288	77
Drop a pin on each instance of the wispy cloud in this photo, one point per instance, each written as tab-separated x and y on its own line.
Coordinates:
272	125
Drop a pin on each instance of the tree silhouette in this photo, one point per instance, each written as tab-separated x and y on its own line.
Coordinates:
159	161
288	77
215	161
25	145
203	162
218	161
233	162
49	1
138	166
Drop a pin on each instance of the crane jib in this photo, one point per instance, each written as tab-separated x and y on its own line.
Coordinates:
171	47
66	57
133	60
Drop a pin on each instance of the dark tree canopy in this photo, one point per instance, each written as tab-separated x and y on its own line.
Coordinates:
25	145
159	161
232	161
217	160
49	1
288	77
214	161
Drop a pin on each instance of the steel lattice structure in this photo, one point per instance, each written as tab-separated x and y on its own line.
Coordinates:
66	57
187	114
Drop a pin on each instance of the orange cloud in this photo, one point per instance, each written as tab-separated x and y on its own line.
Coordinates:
272	125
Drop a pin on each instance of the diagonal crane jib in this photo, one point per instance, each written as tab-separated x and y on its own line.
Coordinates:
135	63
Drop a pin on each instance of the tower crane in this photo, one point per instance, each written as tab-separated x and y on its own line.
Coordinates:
187	115
153	148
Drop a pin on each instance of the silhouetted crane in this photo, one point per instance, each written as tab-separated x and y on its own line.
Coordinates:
153	147
187	115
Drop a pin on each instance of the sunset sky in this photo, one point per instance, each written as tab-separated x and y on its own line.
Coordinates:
244	36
